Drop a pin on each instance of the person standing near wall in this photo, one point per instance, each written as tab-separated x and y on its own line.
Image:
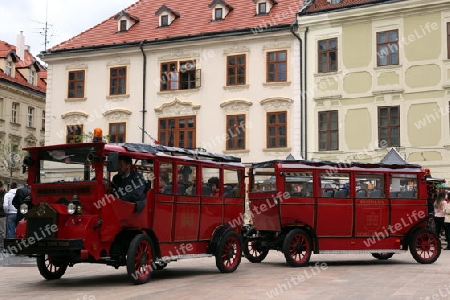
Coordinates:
11	211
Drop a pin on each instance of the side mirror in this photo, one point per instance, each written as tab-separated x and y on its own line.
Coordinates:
113	162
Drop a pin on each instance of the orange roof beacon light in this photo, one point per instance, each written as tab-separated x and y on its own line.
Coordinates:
98	135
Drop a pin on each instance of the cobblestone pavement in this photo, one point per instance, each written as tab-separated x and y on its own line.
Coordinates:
339	276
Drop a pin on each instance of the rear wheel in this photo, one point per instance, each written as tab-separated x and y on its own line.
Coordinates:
425	246
255	251
229	252
48	269
297	248
382	256
140	259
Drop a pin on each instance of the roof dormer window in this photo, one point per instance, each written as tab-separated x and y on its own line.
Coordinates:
166	16
218	13
220	9
125	21
334	1
263	7
8	68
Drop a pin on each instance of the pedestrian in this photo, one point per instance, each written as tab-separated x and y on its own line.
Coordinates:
439	207
447	223
2	215
11	211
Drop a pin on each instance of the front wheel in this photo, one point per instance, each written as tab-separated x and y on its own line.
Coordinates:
229	252
382	256
297	248
140	259
425	246
255	251
48	269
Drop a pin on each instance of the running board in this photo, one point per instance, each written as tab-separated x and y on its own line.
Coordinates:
362	251
166	259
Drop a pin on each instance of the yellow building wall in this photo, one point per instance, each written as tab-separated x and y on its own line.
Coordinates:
358	128
424	124
356	45
422	37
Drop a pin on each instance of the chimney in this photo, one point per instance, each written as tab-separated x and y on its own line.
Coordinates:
20	45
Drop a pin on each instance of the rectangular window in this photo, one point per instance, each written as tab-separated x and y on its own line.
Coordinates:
169	76
236	69
387	48
8	68
276	66
43	121
448	40
15	112
235	132
403	186
328	130
262	8
30	117
76	84
276	129
232	183
74	134
218	14
334	184
123	25
118	81
165	20
187	77
327	54
389	126
177	132
117	132
299	184
369	185
32	77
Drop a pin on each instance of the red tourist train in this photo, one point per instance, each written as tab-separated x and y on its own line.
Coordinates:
304	207
73	215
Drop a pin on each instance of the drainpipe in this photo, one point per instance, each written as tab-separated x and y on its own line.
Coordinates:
305	97
144	76
294	28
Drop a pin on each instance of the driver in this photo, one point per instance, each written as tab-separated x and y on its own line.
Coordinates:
129	185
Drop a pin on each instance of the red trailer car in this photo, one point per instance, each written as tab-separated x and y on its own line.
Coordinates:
73	215
305	207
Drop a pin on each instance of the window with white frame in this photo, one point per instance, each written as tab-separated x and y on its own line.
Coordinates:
30	116
32	77
15	112
8	68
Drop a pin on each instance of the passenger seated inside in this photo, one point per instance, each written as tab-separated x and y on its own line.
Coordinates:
214	183
129	185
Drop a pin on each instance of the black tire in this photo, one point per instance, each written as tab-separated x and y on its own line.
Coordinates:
229	252
48	270
140	259
425	246
297	248
382	256
255	251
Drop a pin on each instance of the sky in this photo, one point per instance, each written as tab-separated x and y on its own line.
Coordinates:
64	18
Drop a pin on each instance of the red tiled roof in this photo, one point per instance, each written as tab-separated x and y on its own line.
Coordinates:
29	59
323	5
194	20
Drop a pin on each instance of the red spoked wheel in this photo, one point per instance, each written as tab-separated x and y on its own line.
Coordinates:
140	259
48	269
229	252
297	248
255	251
425	246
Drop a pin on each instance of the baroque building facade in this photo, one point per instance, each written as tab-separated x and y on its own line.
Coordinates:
376	77
216	75
22	106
